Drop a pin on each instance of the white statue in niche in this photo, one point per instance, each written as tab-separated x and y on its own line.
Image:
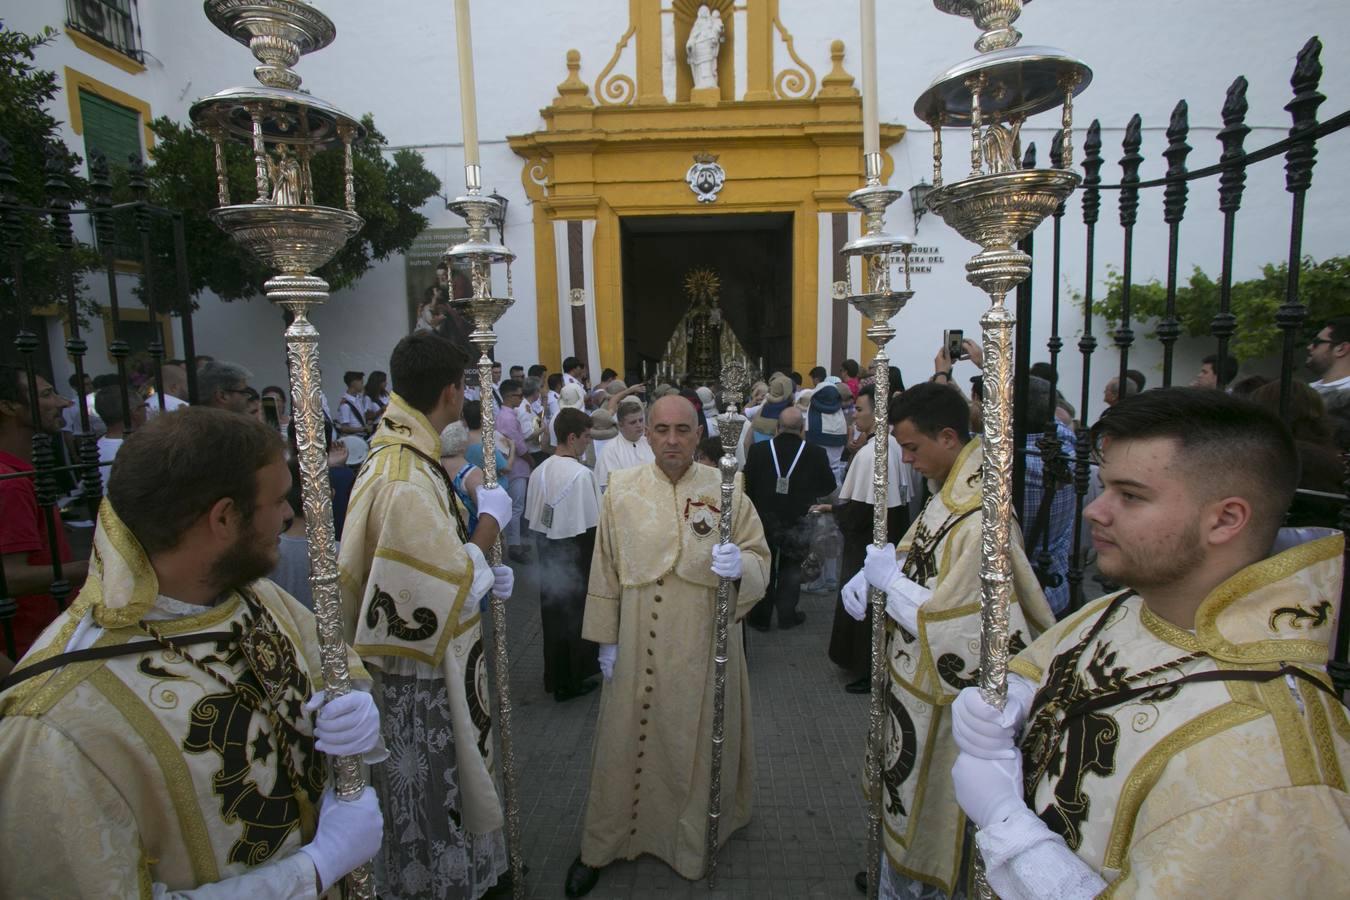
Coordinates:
705	42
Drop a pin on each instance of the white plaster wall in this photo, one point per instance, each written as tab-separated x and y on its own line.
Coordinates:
400	64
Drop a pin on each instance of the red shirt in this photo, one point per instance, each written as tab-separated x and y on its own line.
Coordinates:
23	529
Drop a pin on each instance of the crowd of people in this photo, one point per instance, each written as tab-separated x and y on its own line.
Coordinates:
170	716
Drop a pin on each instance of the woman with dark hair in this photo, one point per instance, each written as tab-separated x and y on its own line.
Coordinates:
377	392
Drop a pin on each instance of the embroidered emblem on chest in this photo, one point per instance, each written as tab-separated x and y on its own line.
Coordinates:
701	516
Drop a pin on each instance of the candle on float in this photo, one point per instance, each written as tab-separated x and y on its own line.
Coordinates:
467	104
871	130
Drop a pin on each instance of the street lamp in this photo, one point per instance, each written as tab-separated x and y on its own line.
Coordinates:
498	216
918	199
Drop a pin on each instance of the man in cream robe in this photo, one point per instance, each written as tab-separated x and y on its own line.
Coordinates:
564	509
933	641
650	607
411	580
191	772
1180	738
627	450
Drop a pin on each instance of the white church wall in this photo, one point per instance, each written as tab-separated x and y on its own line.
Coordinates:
1144	57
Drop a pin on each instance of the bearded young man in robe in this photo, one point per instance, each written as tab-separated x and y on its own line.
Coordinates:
158	740
1179	738
650	606
412	578
933	641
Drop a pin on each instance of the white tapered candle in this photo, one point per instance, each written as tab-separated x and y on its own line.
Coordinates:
467	103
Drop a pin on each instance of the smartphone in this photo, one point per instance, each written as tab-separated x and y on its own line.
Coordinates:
269	411
953	338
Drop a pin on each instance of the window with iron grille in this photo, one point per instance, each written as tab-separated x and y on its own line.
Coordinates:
110	22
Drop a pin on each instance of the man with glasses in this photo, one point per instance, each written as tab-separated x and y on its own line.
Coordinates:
224	385
1329	356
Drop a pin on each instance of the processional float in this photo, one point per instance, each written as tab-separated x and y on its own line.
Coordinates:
995	206
293	235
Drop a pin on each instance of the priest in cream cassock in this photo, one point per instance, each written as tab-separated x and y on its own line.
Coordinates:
1179	738
159	739
563	507
933	641
650	607
412	579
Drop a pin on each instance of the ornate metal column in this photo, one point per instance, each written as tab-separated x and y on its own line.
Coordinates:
995	206
293	236
729	425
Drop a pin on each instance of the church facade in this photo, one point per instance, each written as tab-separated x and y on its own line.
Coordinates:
654	163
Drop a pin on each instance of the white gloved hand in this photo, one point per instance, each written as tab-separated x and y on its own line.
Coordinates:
495	502
903	599
983	731
726	561
503	581
347	726
609	654
989	790
349	834
854	596
881	567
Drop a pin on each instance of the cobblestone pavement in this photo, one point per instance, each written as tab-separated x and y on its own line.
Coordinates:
808	832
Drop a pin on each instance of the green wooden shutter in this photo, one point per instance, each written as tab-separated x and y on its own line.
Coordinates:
116	131
111	128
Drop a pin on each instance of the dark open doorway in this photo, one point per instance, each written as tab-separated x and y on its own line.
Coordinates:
751	255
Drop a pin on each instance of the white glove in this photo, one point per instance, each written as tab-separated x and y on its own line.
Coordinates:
726	561
347	726
903	599
989	790
609	654
986	732
495	502
349	833
854	596
881	567
503	581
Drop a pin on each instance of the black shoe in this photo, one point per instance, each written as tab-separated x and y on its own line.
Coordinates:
504	886
581	879
793	621
861	686
581	690
860	882
757	626
519	555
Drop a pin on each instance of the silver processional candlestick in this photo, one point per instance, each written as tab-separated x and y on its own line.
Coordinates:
479	253
996	206
729	425
293	236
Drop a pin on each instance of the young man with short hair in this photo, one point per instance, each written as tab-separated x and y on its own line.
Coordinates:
108	402
574	372
933	603
516	478
412	578
564	508
630	448
161	739
1179	738
1208	376
352	408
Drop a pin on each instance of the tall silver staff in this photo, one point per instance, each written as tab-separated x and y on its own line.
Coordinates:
996	206
285	229
729	425
877	251
479	254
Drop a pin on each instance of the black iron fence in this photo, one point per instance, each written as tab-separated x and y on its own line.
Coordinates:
1228	177
110	22
65	474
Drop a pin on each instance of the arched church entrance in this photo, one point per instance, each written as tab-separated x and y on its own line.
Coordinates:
700	291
